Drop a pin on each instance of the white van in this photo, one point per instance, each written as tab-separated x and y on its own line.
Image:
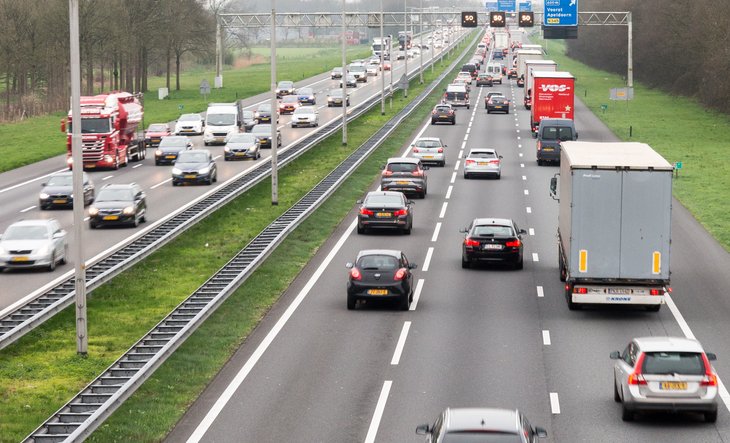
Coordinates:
495	70
456	95
221	120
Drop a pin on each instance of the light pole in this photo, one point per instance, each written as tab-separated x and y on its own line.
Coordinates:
82	339
274	112
382	60
344	79
420	39
405	44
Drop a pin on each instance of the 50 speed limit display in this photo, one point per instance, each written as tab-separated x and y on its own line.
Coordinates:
468	19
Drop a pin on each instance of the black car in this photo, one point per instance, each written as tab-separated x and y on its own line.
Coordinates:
241	146
497	103
57	192
170	147
263	135
248	120
492	240
118	204
385	209
380	274
263	114
443	113
484	79
194	166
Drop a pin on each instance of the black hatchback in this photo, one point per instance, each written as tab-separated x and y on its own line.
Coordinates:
380	274
385	209
118	204
492	240
443	113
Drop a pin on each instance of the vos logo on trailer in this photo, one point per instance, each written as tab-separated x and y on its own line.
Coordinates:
554	88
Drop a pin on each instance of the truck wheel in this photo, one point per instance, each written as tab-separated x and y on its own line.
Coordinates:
653	308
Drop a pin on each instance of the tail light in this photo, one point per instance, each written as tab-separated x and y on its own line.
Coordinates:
710	378
416	149
580	290
440	150
355	274
656	292
400	274
470	162
399	212
636	378
434	112
418	173
494	162
513	243
539	145
451	112
387	173
470	242
365	211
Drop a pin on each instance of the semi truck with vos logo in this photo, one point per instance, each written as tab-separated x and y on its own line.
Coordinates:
614	224
553	96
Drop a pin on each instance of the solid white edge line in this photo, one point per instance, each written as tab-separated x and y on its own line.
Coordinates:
27	209
448	191
554	403
436	230
160	183
233	386
722	391
10	188
427	260
546	337
401	343
417	294
540	292
535	257
378	414
443	209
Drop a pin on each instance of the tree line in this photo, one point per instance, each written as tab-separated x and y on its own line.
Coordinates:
122	43
680	46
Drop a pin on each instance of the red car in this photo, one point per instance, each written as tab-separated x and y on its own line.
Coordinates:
288	104
154	133
386	66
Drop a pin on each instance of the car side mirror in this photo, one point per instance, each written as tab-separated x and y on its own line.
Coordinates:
711	356
349	265
534	135
423	429
359	202
615	355
523	232
541	432
412	266
60	234
501	156
463	230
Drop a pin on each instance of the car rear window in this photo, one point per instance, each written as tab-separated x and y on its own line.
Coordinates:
492	231
443	109
378	262
402	167
428	144
481	437
562	133
384	200
455	95
482	154
687	363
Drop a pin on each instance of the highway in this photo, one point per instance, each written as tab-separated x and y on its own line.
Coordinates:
491	336
19	188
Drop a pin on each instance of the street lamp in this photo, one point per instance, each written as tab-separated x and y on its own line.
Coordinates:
274	112
344	79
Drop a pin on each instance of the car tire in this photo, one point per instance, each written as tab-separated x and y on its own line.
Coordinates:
52	264
443	164
143	219
499	176
616	397
467	107
64	260
433	122
466	176
174	183
226	159
626	413
711	417
405	303
520	264
157	163
407	231
351	302
135	222
453	122
540	162
360	229
465	264
92	225
215	177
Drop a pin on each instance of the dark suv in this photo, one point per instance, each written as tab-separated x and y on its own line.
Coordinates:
550	133
404	174
118	204
471	68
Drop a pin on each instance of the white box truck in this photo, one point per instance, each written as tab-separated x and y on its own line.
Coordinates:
221	120
522	56
501	40
614	223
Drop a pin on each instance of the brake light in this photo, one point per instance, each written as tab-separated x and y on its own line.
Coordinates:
494	162
710	378
434	112
441	150
539	145
470	162
636	378
418	173
387	173
513	243
400	212
470	242
365	211
416	149
355	274
451	112
580	290
656	292
400	274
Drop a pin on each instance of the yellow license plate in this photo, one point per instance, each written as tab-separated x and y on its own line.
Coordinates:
111	217
240	154
497	107
60	201
402	182
673	386
19	259
482	163
547	149
189	176
428	156
156	140
89	165
383	214
377	292
169	156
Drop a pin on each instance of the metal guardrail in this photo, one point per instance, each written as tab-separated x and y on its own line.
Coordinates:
26	317
89	408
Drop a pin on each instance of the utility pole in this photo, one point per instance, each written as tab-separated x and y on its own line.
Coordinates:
274	112
218	83
382	60
420	45
405	42
82	339
344	79
630	73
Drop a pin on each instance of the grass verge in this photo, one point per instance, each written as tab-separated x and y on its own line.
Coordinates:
39	138
679	128
41	371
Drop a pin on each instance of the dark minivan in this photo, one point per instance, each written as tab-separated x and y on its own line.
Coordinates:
550	133
471	68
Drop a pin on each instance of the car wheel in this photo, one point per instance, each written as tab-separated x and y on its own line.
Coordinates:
407	231
143	219
206	143
64	260
433	122
453	122
225	159
215	176
351	302
540	162
711	417
465	263
52	264
360	229
405	303
499	176
135	221
616	397
466	176
174	183
520	264
626	413
92	225
443	164
467	106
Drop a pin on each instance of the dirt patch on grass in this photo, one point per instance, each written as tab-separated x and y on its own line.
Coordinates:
244	62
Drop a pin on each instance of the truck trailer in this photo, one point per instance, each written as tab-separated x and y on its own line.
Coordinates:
553	96
522	56
532	65
614	224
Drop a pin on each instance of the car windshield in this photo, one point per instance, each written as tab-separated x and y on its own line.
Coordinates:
306	91
173	142
428	143
290	99
286	85
402	167
336	93
482	154
481	437
247	115
60	180
376	200
242	138
562	133
378	263
189	118
264	108
686	363
157	128
26	232
110	195
492	231
261	130
92	126
305	110
221	119
192	157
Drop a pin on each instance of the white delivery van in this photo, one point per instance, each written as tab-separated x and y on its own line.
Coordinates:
495	70
221	120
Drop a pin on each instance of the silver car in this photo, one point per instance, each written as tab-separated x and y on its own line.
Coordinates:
481	425
665	374
305	116
33	244
483	161
429	150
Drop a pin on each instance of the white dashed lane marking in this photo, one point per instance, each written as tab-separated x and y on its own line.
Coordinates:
448	192
417	294
529	210
401	343
436	231
554	403
443	210
545	337
540	292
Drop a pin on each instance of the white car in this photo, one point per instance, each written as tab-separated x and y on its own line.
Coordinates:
189	124
483	161
429	150
33	244
305	116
